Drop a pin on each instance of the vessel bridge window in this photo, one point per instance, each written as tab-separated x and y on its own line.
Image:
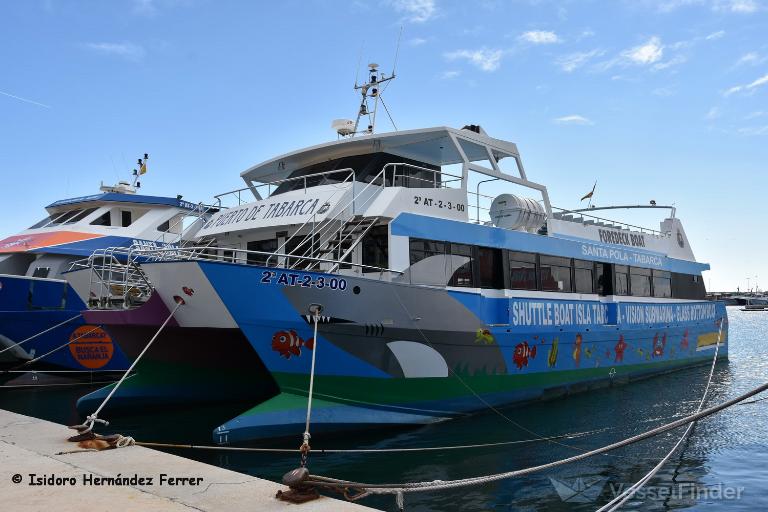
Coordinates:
366	168
104	219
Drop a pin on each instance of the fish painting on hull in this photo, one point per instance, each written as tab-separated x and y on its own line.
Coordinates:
621	345
577	350
552	355
288	343
522	353
658	346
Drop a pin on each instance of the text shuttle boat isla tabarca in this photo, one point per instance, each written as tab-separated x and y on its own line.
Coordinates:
437	300
40	311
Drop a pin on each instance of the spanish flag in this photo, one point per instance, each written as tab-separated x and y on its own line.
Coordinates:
590	193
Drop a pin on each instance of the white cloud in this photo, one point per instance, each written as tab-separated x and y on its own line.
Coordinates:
737	6
673	5
754	130
647	53
144	7
748	87
674	61
574	119
712	114
751	58
487	59
448	75
539	37
715	35
573	61
416	11
664	92
755	115
416	41
125	50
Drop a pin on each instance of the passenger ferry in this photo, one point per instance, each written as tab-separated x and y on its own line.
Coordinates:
40	312
443	281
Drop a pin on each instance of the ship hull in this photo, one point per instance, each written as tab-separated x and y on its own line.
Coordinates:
395	353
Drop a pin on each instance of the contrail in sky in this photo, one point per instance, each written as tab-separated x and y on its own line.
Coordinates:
25	100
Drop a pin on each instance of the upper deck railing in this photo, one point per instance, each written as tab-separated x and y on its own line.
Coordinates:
579	216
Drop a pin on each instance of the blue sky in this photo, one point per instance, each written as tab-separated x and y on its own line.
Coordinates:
663	100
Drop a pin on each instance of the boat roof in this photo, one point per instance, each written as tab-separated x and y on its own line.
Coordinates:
429	145
124	198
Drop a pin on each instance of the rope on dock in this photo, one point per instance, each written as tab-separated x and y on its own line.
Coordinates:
395	488
625	495
85	430
41	333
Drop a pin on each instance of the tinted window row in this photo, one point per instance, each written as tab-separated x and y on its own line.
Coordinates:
483	267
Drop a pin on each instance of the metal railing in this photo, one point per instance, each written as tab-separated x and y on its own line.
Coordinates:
579	217
349	174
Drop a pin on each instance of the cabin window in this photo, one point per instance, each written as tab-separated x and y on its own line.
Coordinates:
422	249
583	276
165	226
662	284
461	262
103	220
376	248
522	270
490	268
125	218
83	214
555	273
41	272
269	245
603	285
621	286
640	281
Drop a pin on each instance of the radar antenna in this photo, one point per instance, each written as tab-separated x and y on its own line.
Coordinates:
371	95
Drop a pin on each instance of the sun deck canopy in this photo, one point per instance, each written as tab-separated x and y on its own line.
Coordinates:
433	146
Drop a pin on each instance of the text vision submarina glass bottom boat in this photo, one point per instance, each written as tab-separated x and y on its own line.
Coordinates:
447	282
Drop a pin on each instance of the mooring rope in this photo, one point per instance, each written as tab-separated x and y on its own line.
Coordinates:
94	418
394	488
315	309
366	450
625	495
41	333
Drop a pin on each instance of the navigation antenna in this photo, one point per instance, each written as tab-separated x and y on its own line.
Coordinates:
371	91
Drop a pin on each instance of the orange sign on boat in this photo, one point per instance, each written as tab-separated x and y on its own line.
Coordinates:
21	243
91	346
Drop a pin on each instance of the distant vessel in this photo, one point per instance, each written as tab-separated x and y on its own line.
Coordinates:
434	299
39	310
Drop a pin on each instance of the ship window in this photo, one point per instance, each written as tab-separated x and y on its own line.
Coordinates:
583	276
522	270
662	284
83	214
688	286
65	217
41	272
375	248
603	285
269	245
42	222
640	281
555	274
622	280
102	220
125	218
461	263
422	249
165	226
490	268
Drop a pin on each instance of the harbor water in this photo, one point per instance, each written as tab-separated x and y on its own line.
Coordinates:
724	463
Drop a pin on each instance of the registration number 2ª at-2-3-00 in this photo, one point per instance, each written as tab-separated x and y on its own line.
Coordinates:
303	280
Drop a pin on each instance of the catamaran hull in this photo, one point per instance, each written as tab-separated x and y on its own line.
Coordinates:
31	306
396	353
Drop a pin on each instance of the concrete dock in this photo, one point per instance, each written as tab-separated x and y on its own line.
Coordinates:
84	481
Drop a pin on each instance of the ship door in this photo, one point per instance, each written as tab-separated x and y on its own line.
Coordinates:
490	268
604	278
